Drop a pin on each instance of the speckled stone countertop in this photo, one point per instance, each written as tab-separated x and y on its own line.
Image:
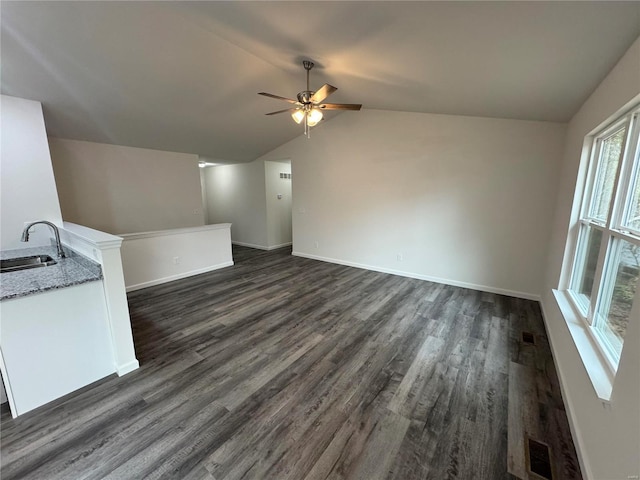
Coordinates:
73	270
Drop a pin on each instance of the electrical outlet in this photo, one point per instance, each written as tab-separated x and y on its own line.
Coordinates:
196	211
176	260
316	244
399	257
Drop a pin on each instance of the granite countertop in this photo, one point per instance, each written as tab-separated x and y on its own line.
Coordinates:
73	270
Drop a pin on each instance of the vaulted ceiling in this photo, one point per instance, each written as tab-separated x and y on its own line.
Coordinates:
184	76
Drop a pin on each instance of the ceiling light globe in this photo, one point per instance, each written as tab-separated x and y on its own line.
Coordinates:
298	116
313	117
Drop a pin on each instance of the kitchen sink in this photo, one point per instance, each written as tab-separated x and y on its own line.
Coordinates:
23	263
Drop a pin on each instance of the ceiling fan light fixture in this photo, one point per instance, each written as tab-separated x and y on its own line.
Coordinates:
298	116
313	117
309	104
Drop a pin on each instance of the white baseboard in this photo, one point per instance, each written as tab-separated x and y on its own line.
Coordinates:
418	276
282	245
127	367
250	245
261	247
568	404
171	278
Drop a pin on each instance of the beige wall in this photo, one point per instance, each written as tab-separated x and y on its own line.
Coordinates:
236	195
278	209
245	195
120	189
460	200
608	436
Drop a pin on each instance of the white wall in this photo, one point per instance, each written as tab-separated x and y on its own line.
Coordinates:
236	195
27	186
120	189
278	209
153	258
461	200
608	437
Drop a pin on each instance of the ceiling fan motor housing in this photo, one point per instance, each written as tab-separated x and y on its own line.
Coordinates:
304	97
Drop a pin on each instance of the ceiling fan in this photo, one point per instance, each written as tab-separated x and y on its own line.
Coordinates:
309	105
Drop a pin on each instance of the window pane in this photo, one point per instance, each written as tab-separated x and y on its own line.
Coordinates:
590	241
611	149
618	289
633	214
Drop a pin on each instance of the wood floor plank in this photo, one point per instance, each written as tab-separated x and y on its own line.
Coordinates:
522	418
343	455
282	367
260	378
416	456
382	447
409	390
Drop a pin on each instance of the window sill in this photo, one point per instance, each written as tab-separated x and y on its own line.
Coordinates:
594	363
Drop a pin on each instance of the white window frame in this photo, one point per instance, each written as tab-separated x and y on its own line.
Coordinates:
612	231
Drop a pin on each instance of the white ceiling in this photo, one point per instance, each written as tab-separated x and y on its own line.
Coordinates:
183	76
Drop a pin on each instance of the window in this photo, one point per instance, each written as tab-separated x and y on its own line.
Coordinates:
606	267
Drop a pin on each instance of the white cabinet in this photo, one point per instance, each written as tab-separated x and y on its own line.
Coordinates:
53	343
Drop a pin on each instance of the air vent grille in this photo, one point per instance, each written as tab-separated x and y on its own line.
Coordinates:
528	338
539	459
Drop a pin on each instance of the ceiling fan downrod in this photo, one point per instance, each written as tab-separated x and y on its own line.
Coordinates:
308	65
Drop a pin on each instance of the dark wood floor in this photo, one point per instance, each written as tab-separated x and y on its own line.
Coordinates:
287	368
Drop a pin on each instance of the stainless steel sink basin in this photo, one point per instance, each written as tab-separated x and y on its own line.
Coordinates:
23	263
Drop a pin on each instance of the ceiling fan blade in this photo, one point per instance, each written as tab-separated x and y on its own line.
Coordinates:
340	106
277	97
324	91
282	111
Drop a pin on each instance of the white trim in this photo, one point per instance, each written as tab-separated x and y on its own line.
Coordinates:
593	360
250	245
175	231
282	245
178	276
609	252
127	367
429	278
262	247
91	237
574	426
7	387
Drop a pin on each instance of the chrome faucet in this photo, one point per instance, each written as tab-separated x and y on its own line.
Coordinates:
25	235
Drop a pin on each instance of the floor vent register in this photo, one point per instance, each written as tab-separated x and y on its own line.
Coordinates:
528	338
539	459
